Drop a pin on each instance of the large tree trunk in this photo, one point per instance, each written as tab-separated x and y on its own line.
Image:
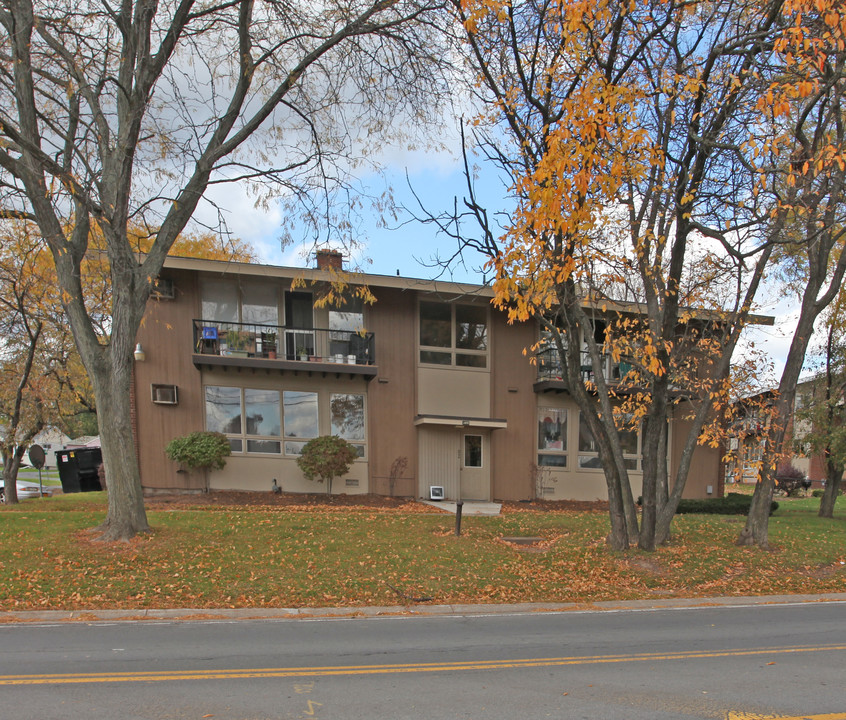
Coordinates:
757	527
834	476
126	514
109	365
756	531
11	465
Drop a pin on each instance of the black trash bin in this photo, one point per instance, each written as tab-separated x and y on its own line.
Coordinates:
78	469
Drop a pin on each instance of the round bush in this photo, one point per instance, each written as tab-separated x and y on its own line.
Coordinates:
200	450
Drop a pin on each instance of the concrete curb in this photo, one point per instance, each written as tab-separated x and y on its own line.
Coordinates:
234	614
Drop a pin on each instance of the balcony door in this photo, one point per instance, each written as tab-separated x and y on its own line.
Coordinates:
299	324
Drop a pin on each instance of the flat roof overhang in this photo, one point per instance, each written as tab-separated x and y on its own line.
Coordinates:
459	421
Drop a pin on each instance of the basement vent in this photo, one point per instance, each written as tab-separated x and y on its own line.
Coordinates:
163	289
351	482
547	491
164	394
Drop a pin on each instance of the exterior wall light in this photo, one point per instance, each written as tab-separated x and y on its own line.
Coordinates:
140	355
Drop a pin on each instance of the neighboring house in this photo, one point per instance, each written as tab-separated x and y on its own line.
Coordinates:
52	440
430	383
83	441
745	446
746	438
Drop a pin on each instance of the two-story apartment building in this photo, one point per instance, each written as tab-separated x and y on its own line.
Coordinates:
430	383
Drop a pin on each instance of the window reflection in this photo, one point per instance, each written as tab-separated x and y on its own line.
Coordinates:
300	410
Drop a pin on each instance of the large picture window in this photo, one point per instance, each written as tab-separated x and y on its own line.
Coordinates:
261	410
347	418
224	301
270	422
249	418
552	437
452	334
301	420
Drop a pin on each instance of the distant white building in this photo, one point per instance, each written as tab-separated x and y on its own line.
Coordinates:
51	439
83	441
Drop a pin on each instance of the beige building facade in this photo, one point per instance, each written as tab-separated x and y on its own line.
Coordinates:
429	383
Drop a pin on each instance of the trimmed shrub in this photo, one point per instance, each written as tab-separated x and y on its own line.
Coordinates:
325	458
200	450
731	504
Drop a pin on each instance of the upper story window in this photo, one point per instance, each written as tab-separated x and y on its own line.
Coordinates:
452	334
224	301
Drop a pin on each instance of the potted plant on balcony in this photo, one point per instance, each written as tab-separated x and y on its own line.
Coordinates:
302	353
236	343
268	343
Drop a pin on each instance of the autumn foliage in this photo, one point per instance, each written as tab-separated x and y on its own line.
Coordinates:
657	152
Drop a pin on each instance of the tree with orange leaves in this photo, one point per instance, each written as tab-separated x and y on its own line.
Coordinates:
643	170
42	379
805	104
34	346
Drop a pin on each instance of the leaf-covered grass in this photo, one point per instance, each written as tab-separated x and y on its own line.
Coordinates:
259	557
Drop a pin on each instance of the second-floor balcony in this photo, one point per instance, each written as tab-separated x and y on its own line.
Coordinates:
619	375
284	348
551	375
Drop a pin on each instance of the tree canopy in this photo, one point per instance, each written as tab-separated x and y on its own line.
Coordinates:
122	117
652	152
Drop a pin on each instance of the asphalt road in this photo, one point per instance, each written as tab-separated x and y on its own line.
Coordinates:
731	663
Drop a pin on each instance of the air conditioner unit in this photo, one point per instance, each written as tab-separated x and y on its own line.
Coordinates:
163	289
164	394
436	492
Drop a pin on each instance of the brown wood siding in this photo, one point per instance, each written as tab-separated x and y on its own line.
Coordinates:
392	402
513	448
439	461
704	467
167	338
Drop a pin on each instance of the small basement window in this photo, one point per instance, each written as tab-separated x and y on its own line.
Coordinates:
164	394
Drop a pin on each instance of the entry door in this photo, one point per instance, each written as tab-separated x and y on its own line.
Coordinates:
456	459
439	460
475	467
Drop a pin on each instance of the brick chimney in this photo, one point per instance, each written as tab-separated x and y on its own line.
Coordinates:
329	259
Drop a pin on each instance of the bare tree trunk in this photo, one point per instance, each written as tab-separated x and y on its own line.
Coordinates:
833	479
757	527
652	458
11	465
126	515
757	523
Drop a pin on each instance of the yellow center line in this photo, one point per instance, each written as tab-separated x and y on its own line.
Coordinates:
748	716
328	671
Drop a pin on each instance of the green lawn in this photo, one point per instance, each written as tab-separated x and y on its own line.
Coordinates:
49	476
206	556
